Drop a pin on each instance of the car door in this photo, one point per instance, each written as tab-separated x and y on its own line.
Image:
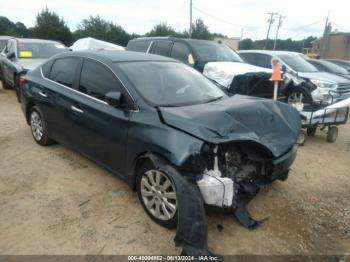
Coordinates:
8	67
102	129
58	97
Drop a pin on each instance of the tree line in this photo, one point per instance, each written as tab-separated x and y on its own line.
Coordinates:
49	25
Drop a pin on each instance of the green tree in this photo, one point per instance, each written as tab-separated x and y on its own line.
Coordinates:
201	31
246	44
101	29
50	26
162	29
7	27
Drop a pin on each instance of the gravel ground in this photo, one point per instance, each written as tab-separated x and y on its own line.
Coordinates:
54	201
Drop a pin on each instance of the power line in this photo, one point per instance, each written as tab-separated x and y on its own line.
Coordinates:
340	27
307	25
223	20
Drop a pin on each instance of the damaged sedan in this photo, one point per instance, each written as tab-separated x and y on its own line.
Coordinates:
168	131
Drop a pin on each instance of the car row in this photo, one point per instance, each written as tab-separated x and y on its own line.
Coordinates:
156	121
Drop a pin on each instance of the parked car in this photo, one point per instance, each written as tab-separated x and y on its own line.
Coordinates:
3	41
215	60
307	84
343	63
326	66
164	128
20	55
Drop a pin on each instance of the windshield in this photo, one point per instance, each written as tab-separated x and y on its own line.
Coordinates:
39	50
333	67
170	83
213	52
297	63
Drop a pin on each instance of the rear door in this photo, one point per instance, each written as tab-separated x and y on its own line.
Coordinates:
58	98
161	47
180	51
101	128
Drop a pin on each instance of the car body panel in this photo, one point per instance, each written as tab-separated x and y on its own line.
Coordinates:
272	124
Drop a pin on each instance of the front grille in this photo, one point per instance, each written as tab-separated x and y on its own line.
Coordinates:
343	88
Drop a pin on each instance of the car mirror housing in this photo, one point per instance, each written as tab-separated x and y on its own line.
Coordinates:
114	99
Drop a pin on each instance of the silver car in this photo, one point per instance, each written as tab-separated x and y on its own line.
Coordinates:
20	55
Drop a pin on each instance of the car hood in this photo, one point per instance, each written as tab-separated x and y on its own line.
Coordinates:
324	76
274	125
224	72
30	64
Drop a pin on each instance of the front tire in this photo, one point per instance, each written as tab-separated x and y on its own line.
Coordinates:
38	127
157	195
332	134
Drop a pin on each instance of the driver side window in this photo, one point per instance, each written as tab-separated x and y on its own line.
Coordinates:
96	80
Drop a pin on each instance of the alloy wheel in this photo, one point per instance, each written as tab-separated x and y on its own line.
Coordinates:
158	195
36	125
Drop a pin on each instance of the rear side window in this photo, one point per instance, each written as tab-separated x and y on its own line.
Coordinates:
63	71
263	60
138	46
46	68
161	48
181	52
248	58
97	80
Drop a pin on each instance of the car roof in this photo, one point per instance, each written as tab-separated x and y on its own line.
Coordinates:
117	56
189	40
33	40
269	52
5	37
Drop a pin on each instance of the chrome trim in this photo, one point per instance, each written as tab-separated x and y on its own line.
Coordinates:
42	94
78	92
77	109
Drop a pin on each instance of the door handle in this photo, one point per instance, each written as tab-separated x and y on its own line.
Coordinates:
77	109
42	94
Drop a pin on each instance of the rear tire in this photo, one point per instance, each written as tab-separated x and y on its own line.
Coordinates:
38	127
332	134
157	195
311	131
5	85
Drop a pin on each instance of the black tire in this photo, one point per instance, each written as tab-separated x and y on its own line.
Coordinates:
39	124
332	134
140	173
5	85
295	92
311	131
301	138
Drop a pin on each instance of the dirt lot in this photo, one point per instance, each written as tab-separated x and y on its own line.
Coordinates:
53	201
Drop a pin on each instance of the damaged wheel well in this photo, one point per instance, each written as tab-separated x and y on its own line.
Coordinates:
141	160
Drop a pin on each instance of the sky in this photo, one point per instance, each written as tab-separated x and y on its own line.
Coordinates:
229	17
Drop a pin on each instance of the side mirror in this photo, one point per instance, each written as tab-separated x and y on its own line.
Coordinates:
114	98
11	55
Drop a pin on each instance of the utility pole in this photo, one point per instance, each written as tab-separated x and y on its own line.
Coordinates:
271	20
325	38
277	30
190	29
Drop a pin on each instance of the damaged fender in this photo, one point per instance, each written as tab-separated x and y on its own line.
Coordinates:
192	226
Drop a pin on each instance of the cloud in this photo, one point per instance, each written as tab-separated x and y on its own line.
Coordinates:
222	16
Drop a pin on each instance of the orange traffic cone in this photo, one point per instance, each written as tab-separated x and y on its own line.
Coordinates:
276	70
276	76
